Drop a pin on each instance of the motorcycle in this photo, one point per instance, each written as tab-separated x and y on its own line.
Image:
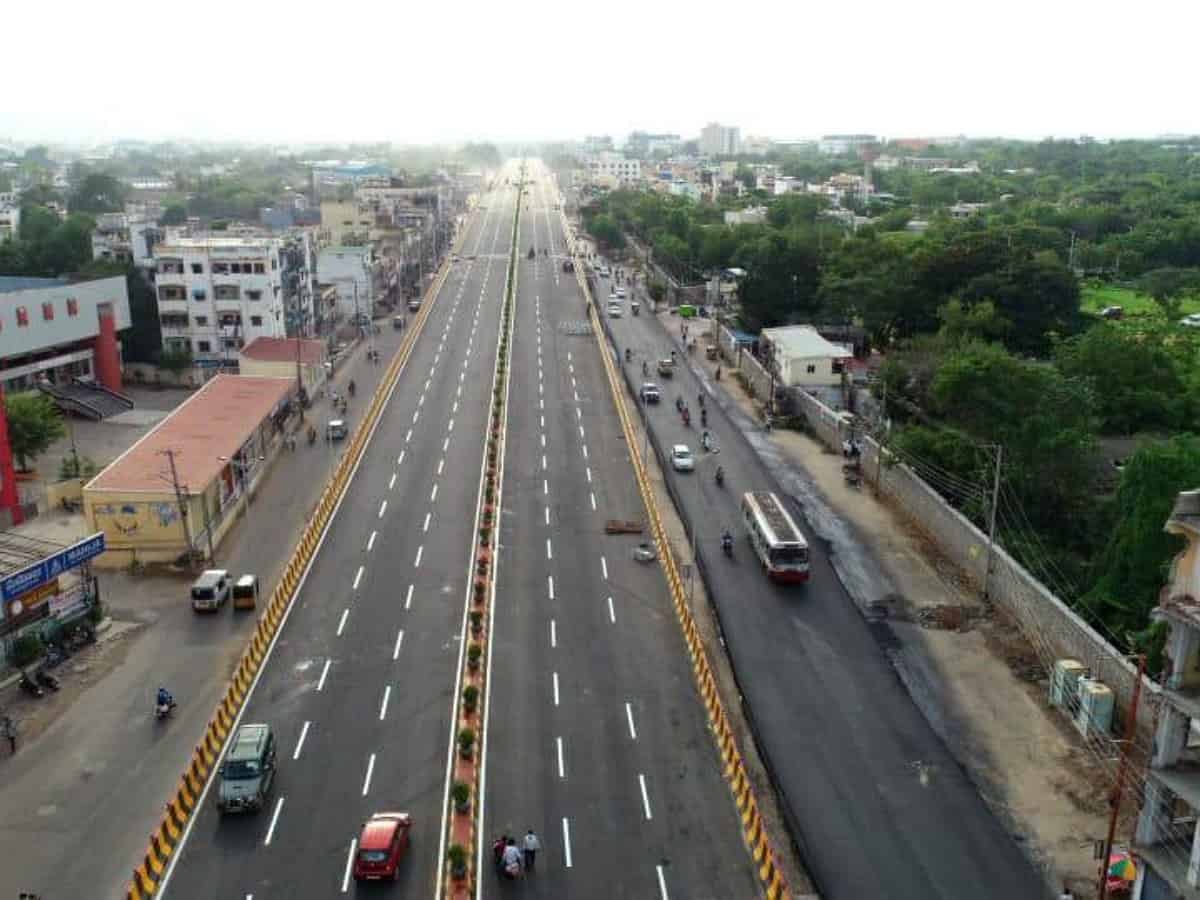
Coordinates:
727	544
46	680
350	388
704	417
687	418
720	477
29	686
628	355
162	710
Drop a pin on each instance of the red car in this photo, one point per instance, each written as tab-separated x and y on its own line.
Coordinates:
381	845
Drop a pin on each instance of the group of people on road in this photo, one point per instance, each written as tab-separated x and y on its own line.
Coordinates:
512	861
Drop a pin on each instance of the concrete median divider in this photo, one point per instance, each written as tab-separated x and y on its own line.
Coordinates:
179	814
754	831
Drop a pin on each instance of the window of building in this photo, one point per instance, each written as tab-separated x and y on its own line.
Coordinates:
260	269
197	268
811	369
199	294
201	320
48	312
203	346
220	268
256	321
22	317
72	306
229	343
227	292
274	264
253	295
235	268
171	292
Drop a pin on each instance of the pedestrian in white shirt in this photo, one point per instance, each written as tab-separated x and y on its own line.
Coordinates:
532	846
512	860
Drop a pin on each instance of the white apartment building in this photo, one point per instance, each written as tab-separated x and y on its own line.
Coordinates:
10	221
841	144
612	167
119	237
349	270
217	293
720	140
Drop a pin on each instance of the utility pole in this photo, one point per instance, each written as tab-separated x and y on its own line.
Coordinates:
1122	772
180	498
880	439
987	575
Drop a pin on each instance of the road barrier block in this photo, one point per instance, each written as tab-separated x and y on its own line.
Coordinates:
143	884
153	864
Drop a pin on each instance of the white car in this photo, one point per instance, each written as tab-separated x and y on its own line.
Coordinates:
1192	321
682	459
621	292
614	310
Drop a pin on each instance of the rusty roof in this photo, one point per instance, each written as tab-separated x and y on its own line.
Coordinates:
270	349
214	422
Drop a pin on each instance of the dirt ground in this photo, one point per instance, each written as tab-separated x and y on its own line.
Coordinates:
1026	760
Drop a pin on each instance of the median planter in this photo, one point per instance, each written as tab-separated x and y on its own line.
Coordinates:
470	697
457	857
474	652
461	795
476	622
480	589
466	743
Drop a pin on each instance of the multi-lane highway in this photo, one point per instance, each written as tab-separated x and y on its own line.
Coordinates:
882	808
359	687
596	735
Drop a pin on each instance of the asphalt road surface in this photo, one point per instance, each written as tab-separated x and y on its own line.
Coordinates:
596	738
359	686
882	807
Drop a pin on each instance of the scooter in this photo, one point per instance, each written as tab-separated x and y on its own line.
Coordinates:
29	686
162	710
720	477
727	544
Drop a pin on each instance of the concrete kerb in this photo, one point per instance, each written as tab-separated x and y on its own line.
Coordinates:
149	875
769	874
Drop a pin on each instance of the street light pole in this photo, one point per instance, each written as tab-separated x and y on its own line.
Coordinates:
180	498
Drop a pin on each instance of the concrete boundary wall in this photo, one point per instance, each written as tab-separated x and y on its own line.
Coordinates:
1044	617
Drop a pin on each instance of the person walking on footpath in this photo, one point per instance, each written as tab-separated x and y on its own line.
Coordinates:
512	860
532	846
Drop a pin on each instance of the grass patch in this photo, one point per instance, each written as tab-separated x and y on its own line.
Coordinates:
1097	295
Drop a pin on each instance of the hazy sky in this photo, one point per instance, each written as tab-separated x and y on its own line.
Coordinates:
405	72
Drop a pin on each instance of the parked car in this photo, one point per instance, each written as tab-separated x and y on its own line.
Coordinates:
210	590
248	771
1112	312
381	845
666	368
650	392
682	459
1191	321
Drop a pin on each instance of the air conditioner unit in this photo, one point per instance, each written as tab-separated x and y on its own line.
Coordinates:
1064	682
1095	708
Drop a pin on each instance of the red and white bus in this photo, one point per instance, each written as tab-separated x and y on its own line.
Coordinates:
780	545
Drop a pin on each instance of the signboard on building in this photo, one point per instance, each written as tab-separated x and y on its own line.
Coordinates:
48	569
28	607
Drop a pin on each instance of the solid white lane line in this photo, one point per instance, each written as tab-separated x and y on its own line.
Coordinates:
593	498
428	516
441	465
371	769
342	623
566	843
604	567
420	550
349	865
371	541
357	578
300	743
629	717
588	471
382	508
612	613
324	672
387	695
274	822
555	674
549	550
550	582
408	598
433	494
662	883
561	770
553	634
645	797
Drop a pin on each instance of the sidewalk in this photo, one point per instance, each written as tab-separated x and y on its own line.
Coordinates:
970	670
92	766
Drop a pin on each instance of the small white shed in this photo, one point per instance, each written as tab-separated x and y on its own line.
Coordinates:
801	357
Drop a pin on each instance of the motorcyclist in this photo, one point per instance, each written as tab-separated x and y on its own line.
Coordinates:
720	475
727	541
645	368
628	354
706	440
351	387
703	416
163	698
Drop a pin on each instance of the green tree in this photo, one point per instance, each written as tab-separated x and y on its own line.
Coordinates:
979	321
1132	567
174	214
783	276
175	361
606	232
1169	287
34	423
98	193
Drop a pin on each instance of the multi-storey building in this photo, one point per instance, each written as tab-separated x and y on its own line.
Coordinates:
119	237
841	144
218	292
10	217
720	140
350	270
612	169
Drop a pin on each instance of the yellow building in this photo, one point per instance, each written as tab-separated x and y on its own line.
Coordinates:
268	357
184	482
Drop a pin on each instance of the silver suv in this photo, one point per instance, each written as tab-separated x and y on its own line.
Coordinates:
248	770
210	590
